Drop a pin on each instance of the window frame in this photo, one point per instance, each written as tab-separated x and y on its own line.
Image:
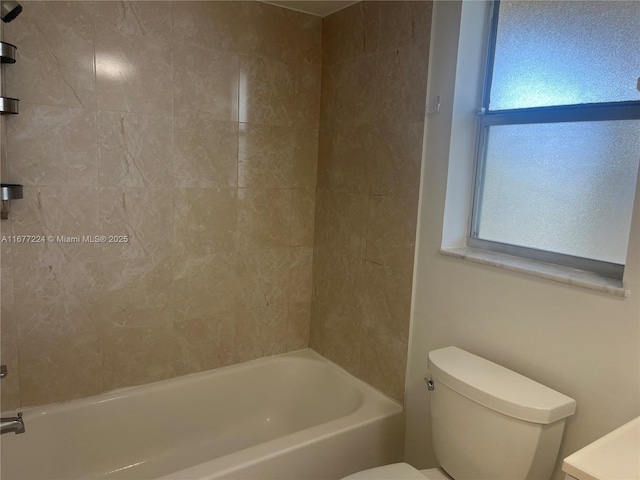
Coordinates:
588	112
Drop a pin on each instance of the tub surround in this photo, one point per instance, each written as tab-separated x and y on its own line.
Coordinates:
374	77
196	136
197	130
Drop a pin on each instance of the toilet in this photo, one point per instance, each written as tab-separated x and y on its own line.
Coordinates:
487	423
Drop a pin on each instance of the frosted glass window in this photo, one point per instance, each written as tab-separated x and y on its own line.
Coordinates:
561	187
565	52
556	183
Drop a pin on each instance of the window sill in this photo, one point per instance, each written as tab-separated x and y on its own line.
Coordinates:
557	273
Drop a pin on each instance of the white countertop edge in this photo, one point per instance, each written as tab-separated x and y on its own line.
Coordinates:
576	463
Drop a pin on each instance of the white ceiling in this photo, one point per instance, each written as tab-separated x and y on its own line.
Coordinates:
321	8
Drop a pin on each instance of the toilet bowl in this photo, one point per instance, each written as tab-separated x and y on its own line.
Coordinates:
399	471
487	423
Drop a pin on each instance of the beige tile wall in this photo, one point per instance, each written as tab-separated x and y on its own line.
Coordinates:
191	127
374	76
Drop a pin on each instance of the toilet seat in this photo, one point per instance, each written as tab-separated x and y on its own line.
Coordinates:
399	471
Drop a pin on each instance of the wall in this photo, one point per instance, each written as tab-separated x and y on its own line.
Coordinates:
190	127
374	74
582	343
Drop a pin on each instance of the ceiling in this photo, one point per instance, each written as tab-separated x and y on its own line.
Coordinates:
321	8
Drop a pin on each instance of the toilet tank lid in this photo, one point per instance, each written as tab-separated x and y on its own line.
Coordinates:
497	387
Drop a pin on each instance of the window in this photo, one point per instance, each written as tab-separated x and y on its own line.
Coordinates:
559	133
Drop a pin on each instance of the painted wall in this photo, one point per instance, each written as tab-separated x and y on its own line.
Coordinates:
191	128
374	74
582	343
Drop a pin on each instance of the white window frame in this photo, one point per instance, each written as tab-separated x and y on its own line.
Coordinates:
555	114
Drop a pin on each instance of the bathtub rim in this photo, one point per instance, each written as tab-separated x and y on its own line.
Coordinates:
306	354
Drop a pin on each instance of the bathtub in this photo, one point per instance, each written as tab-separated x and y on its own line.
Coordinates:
294	416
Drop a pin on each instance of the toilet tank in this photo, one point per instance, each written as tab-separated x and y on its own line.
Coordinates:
488	422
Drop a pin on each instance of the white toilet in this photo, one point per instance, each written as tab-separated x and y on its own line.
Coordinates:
487	423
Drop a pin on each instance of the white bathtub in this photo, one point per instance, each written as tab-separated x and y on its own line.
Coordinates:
294	416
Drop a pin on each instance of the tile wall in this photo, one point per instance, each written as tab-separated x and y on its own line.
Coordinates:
374	77
196	129
192	129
